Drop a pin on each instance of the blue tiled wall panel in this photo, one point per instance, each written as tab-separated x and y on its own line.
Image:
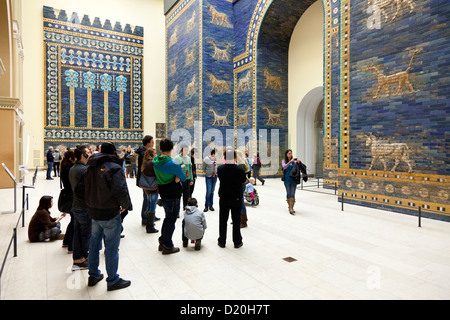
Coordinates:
418	37
416	42
81	48
218	43
182	44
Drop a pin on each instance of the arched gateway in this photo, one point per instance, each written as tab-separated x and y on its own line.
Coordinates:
377	81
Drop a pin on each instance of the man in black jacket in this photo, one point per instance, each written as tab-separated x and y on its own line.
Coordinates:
106	197
50	160
231	178
147	142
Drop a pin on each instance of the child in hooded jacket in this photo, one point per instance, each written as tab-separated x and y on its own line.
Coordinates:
194	224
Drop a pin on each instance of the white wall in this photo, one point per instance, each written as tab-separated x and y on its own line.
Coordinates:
146	13
305	76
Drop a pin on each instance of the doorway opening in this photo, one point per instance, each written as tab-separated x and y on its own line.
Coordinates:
309	127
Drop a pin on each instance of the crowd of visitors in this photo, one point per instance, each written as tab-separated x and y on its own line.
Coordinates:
94	192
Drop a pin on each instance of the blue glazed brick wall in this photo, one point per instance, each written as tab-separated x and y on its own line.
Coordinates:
218	43
416	121
78	53
183	67
420	118
412	50
212	59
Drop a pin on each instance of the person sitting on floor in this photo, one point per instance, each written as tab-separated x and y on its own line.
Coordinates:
42	225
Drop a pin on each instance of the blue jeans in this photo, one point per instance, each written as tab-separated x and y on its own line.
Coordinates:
210	186
290	189
49	169
81	232
50	233
110	230
172	210
151	201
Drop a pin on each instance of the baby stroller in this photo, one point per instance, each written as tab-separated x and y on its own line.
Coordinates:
248	197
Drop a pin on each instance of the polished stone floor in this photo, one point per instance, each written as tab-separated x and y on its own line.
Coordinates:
319	253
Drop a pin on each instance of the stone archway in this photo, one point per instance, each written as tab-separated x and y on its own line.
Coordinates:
273	62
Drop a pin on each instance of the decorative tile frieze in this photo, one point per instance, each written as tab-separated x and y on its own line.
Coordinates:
93	77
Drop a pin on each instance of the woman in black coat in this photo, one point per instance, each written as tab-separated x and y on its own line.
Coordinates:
66	164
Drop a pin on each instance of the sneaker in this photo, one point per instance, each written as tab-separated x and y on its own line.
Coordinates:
206	209
92	281
211	209
119	285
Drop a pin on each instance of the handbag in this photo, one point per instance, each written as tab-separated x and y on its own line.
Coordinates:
148	183
65	200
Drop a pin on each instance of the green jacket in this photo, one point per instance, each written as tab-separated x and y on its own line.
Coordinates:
186	166
166	169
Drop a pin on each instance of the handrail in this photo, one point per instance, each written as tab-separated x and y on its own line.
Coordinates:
14	235
342	198
334	185
13	240
407	207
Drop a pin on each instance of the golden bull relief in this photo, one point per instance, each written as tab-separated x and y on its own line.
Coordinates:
219	18
385	152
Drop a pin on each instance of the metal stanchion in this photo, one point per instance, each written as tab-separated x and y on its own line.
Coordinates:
15	241
24	200
342	201
420	216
